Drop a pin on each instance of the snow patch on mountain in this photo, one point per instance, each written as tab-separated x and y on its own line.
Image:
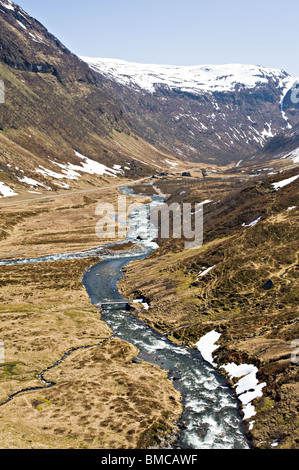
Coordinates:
93	168
72	172
7	4
285	182
31	182
192	79
294	155
6	191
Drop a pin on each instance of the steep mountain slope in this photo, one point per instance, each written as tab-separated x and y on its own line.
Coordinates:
284	145
204	113
57	122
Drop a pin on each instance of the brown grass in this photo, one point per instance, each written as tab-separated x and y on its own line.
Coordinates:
101	399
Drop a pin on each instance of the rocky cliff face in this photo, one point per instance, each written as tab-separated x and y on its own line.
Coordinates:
205	113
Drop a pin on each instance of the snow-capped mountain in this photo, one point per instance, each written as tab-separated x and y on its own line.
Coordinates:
207	112
190	79
125	114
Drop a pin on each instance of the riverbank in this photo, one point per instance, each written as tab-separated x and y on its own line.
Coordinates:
100	396
242	284
210	418
58	225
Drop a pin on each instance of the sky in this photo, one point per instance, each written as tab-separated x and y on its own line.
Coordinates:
176	32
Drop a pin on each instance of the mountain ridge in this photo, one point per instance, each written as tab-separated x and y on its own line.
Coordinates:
205	77
203	113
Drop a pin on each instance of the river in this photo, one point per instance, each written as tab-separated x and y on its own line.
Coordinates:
210	419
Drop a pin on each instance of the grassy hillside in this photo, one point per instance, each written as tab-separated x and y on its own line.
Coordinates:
250	296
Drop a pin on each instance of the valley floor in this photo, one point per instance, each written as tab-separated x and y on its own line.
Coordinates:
65	224
100	397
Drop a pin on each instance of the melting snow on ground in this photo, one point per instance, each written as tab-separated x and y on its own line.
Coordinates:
145	305
248	387
275	444
281	184
206	346
6	191
21	24
171	163
31	182
253	223
206	201
7	4
267	133
46	172
251	425
295	155
94	168
71	171
206	271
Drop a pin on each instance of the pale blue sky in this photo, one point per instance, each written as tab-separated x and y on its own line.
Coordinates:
177	32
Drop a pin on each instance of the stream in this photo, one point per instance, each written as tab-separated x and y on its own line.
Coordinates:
210	419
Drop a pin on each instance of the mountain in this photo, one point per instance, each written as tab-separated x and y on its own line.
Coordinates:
284	145
58	126
68	122
204	113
